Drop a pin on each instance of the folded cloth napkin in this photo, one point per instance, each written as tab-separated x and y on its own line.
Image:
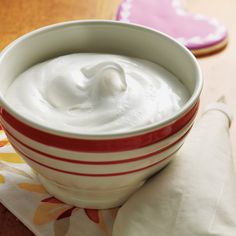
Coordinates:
195	195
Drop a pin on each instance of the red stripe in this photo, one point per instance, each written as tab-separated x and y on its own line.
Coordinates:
94	175
97	162
107	145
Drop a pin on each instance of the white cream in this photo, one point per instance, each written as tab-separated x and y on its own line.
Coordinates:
97	93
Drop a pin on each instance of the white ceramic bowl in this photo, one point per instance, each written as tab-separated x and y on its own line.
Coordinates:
97	171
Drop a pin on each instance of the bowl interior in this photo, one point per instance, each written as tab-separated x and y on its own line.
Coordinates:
100	37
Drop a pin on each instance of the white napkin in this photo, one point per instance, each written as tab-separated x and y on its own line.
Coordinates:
195	194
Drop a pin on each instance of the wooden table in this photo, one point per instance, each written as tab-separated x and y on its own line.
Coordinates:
18	17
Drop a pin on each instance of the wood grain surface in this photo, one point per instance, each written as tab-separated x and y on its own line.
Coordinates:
18	17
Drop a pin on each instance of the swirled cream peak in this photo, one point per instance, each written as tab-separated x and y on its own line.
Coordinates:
97	93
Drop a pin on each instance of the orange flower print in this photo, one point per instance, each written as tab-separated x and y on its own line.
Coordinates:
8	158
37	188
53	210
2	179
4	142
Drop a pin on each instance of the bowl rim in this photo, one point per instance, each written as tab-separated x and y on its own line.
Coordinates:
135	132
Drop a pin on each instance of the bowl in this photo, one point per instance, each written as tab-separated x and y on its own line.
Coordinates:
97	170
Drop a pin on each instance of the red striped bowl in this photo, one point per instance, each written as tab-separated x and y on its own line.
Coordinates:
97	171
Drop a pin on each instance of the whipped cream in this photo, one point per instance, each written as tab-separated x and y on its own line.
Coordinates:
97	93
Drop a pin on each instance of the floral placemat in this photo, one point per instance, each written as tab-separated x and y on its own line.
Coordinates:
26	198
